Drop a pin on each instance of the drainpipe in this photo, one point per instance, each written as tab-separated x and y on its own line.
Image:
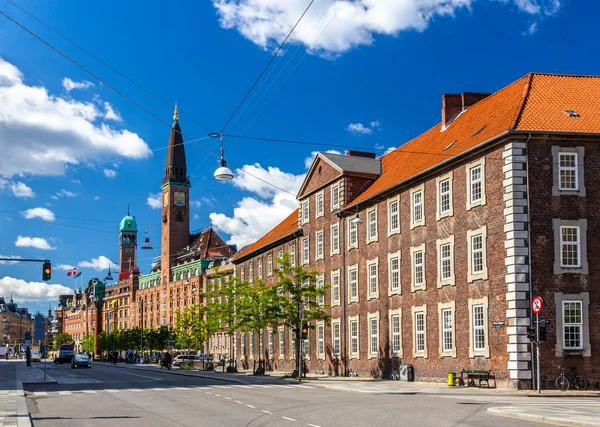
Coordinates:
343	292
532	346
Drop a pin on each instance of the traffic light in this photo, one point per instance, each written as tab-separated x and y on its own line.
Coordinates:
531	332
542	336
305	331
47	271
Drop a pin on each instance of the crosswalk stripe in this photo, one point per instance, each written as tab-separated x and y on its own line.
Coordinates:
264	386
63	393
245	386
303	386
224	386
283	386
112	390
40	393
89	391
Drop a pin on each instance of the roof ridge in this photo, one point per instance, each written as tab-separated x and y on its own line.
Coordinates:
524	97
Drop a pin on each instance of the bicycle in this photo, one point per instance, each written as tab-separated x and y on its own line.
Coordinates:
562	381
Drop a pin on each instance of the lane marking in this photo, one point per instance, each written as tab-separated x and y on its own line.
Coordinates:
89	391
143	376
245	386
282	386
208	392
112	390
228	398
303	386
179	388
158	389
264	386
218	395
267	412
288	418
223	386
64	393
314	425
40	393
237	401
135	389
250	406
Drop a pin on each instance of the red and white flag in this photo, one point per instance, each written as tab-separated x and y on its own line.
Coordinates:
72	272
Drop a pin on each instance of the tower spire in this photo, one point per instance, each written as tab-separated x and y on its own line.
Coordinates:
128	209
176	113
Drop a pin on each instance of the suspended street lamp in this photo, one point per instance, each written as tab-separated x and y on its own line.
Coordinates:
356	220
147	244
223	173
108	276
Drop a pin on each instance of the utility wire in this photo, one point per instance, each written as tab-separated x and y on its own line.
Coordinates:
267	66
40	21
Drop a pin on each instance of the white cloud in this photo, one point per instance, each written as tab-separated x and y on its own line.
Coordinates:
32	242
42	213
195	203
43	134
65	267
332	28
308	160
254	216
358	128
110	113
96	197
154	201
532	29
69	84
19	189
99	264
375	124
63	193
23	291
110	173
76	181
196	217
9	256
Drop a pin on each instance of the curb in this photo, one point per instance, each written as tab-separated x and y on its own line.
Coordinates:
23	418
540	418
232	380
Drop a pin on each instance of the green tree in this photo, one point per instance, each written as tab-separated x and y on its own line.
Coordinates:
88	343
102	342
62	338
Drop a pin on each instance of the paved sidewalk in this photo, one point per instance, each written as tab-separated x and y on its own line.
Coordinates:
567	414
13	409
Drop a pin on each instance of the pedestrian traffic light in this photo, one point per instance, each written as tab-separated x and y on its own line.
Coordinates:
305	331
531	332
542	336
47	271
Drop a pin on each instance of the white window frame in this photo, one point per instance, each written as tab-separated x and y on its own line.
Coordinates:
558	225
259	267
320	285
449	177
305	211
485	351
571	169
333	190
251	345
270	343
352	234
572	324
279	256
482	201
293	344
393	216
334	236
395	256
373	334
415	311
251	271
354	336
353	298
320	341
442	309
336	334
319	244
441	243
415	221
557	189
560	299
305	250
292	252
335	288
414	286
372	280
372	233
270	264
242	272
320	210
397	313
482	275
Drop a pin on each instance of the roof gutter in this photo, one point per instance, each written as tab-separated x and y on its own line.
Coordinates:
296	233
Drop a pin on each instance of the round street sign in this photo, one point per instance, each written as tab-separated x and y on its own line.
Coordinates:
536	305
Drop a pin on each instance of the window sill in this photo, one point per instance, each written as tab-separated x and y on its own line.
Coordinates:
447	283
573	353
394	292
440	217
374	296
391	233
416	225
374	240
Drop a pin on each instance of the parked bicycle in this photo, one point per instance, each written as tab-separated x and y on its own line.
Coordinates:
564	381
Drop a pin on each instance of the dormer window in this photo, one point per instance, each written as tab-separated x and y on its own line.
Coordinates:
572	113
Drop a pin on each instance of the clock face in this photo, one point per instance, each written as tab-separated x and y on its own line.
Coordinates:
179	198
165	200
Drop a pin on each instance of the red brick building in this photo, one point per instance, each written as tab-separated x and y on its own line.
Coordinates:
459	228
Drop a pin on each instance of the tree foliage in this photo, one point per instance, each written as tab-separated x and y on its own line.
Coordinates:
87	344
62	338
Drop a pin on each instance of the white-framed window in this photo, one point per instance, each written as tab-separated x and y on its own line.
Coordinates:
243	344
568	174
444	195
478	327
353	333
335	196
353	283
305	212
251	271
477	252
320	202
335	336
305	250
335	287
270	342
306	348
242	272
320	284
279	257
292	344
417	255
445	252
260	344
373	320
417	208
395	323
293	254
475	183
393	215
260	270
394	273
321	341
572	317
352	234
372	225
281	338
373	278
335	239
319	245
270	263
447	345
570	246
420	332
251	345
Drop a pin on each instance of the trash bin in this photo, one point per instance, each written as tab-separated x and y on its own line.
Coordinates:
407	373
451	379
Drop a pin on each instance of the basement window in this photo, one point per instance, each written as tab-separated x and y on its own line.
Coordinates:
572	113
479	130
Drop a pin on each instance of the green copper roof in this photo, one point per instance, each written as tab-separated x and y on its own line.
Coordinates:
128	224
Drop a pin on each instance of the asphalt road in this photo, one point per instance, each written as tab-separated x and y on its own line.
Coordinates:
105	396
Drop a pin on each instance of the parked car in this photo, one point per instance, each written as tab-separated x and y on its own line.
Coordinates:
36	356
81	360
185	358
63	359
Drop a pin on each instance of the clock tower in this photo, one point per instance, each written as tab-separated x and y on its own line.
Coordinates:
175	234
127	243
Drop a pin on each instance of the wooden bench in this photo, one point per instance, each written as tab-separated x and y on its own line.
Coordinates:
472	378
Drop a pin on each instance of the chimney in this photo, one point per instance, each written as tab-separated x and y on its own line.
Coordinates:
451	106
470	98
360	154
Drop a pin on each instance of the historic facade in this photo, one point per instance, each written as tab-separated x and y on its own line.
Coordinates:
434	250
15	322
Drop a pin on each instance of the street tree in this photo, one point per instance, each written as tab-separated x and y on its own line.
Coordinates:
87	344
62	338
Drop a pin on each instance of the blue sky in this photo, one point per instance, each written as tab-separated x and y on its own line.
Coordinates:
368	73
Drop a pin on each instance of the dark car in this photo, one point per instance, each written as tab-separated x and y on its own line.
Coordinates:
63	359
81	360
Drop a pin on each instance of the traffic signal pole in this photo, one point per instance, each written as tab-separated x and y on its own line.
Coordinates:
46	270
537	352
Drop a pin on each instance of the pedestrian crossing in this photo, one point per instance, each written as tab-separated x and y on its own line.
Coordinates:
171	389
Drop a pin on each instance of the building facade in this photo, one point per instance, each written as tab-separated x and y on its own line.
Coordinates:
434	251
15	322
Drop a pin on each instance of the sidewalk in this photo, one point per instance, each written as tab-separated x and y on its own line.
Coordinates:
13	409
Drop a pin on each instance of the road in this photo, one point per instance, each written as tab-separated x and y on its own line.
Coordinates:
107	395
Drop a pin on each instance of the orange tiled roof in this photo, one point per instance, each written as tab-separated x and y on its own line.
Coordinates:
284	228
535	102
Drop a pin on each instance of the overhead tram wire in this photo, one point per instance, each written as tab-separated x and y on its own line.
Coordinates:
266	67
110	67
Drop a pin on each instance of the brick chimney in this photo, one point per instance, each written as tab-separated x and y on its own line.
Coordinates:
360	154
451	106
470	98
